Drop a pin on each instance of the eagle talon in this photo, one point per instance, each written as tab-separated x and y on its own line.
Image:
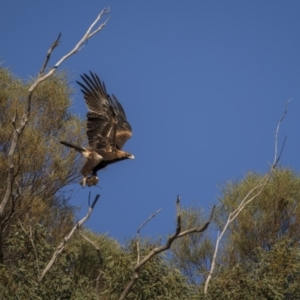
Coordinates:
93	180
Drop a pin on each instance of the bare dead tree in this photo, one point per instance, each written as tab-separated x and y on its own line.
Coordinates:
18	129
250	197
176	235
63	243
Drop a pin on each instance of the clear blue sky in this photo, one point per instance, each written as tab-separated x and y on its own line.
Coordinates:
203	84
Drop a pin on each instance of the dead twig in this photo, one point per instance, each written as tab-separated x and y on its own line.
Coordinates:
138	234
62	245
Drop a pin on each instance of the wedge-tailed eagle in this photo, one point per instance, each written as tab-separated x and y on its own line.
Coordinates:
107	129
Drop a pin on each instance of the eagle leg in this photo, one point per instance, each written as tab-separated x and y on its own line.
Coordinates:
92	161
89	181
83	181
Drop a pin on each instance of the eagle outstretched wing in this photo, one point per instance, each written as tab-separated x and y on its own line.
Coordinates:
107	125
100	117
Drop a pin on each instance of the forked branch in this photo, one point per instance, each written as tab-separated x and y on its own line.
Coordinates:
177	234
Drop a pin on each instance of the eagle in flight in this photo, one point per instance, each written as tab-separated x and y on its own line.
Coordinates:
107	129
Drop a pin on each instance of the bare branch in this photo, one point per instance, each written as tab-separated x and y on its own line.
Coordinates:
62	245
257	190
54	45
102	13
277	158
157	250
152	216
231	217
138	234
83	40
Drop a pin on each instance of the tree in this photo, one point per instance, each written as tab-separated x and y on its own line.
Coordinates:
273	275
81	272
38	182
260	253
273	217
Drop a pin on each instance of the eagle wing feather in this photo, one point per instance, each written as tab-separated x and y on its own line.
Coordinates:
107	125
123	128
100	116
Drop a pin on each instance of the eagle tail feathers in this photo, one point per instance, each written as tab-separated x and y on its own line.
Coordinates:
74	146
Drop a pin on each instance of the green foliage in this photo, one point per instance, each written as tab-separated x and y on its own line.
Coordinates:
37	215
42	166
273	216
156	280
80	269
19	278
259	257
274	275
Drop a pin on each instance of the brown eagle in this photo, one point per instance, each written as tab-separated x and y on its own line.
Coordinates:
107	129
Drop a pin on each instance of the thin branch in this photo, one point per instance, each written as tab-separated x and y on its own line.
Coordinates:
248	198
34	248
281	151
31	241
83	40
54	45
231	218
102	13
23	227
62	245
276	158
138	234
157	250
